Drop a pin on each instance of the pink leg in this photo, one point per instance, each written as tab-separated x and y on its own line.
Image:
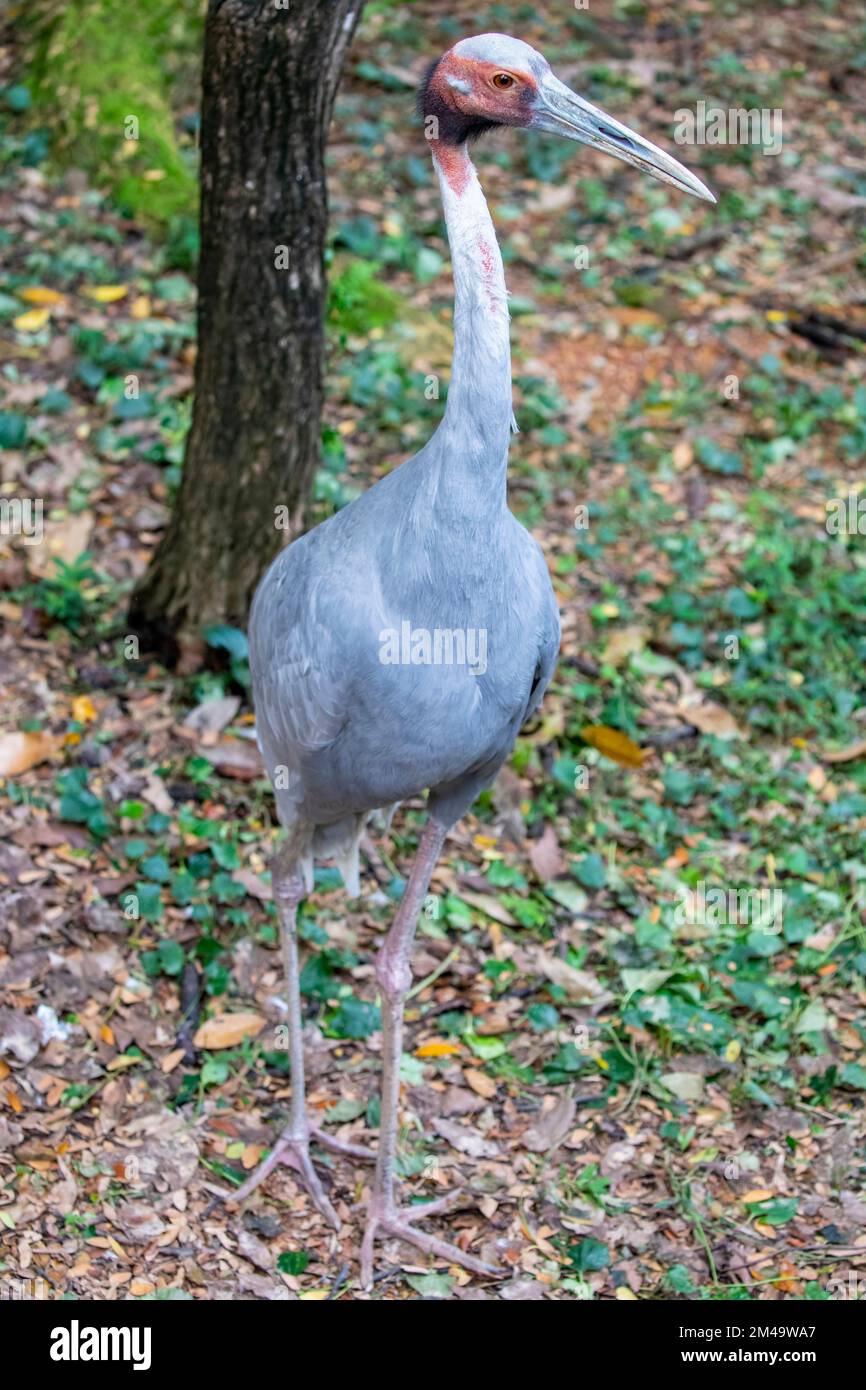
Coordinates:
293	1145
395	977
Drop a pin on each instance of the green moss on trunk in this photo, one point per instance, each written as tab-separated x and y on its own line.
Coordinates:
108	74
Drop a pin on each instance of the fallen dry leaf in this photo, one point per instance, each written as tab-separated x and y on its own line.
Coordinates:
710	718
254	884
578	984
465	1141
682	454
622	644
235	757
685	1085
20	751
65	540
817	778
482	1084
545	855
227	1030
551	1127
846	755
490	906
211	716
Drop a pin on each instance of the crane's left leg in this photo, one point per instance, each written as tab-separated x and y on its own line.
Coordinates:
293	1145
395	977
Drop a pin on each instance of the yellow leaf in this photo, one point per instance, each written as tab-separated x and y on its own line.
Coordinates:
18	752
757	1194
83	711
438	1048
32	320
733	1050
106	1035
614	745
40	294
106	294
227	1030
776	316
314	1295
140	307
625	1295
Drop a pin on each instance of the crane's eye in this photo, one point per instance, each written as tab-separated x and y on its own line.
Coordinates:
503	80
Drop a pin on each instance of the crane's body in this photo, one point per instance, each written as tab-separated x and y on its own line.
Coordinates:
432	546
354	710
386	727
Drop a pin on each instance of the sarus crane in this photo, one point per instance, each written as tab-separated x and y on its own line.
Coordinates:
399	647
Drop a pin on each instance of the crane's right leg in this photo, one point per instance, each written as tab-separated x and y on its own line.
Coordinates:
384	1216
293	1145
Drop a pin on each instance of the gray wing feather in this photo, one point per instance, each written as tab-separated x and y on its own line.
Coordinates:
300	684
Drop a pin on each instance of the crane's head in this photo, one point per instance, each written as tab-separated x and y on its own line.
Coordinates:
493	80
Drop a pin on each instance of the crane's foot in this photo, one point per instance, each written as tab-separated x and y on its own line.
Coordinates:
384	1221
295	1153
340	1146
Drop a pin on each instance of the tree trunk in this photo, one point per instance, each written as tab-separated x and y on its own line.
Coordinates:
269	80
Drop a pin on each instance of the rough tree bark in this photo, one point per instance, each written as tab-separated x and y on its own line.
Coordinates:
269	79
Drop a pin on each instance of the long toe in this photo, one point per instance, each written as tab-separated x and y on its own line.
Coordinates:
340	1146
313	1184
400	1222
401	1225
295	1153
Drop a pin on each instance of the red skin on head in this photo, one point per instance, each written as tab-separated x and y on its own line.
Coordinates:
461	113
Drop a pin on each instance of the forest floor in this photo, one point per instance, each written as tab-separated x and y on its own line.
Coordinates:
645	1087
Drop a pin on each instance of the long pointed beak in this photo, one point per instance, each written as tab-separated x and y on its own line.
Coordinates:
562	112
